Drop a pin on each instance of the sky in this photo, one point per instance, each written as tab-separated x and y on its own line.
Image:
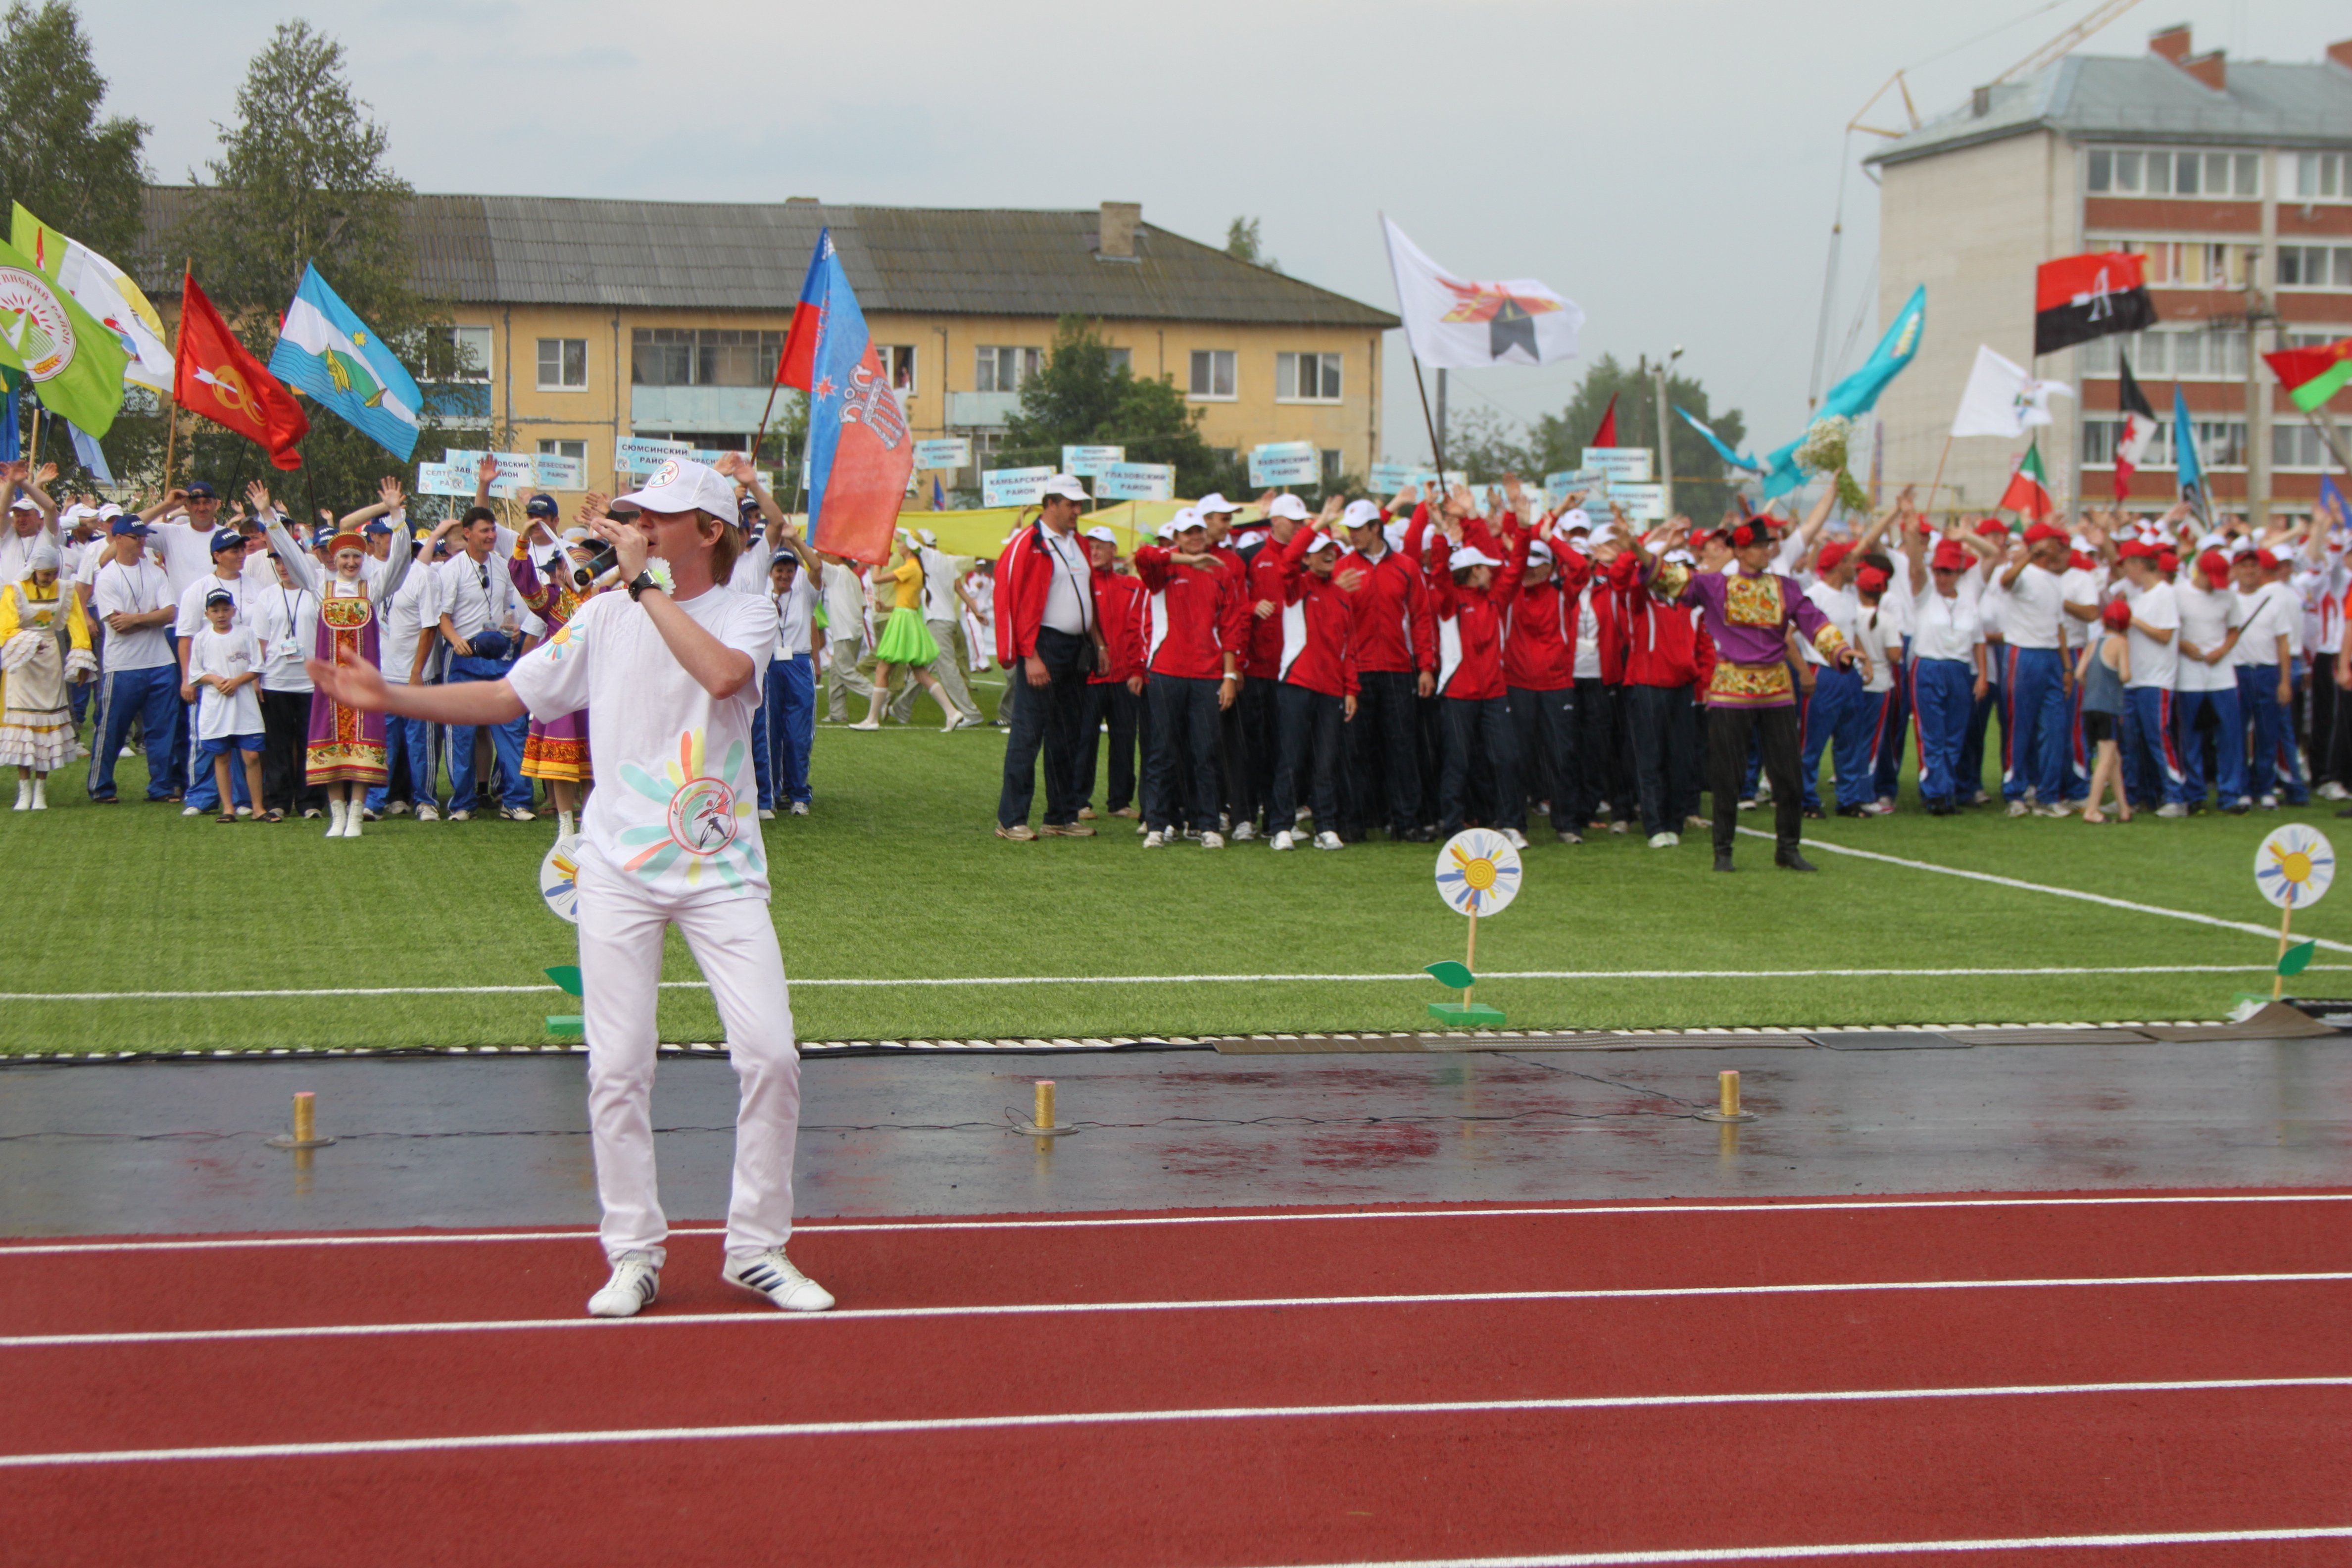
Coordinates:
1674	167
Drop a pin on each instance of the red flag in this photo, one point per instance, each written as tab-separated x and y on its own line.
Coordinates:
216	377
2078	298
795	366
1606	436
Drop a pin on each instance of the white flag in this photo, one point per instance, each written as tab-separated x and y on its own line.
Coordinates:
1453	324
2003	399
103	289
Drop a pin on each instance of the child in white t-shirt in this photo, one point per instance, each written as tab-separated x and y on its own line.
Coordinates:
223	661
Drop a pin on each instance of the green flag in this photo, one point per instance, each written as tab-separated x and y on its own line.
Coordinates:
74	362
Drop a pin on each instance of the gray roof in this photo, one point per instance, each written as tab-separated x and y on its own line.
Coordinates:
554	250
2150	99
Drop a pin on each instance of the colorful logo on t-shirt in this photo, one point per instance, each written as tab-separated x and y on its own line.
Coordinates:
703	817
568	638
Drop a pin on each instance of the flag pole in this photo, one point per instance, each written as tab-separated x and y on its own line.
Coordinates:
1436	448
1927	507
2328	438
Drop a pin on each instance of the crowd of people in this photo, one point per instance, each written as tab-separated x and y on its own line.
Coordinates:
1306	679
1410	668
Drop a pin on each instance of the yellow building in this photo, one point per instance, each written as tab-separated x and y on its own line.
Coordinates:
591	320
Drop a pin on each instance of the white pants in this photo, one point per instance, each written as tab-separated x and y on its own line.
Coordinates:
734	941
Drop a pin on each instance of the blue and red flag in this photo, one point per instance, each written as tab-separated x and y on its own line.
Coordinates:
860	455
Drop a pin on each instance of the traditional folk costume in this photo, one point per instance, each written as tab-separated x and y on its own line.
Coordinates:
555	749
345	745
45	645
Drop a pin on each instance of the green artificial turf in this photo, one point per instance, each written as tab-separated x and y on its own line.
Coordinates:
897	876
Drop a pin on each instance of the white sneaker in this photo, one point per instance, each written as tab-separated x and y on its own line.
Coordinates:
2334	791
395	808
428	812
1213	841
1617	826
2172	808
1245	832
1514	838
244	811
2019	808
2268	802
800	808
771	1274
2060	809
519	814
867	724
1662	841
190	811
461	817
1327	839
635	1282
1282	840
766	813
1154	839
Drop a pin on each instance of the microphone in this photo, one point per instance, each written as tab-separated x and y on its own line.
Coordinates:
606	559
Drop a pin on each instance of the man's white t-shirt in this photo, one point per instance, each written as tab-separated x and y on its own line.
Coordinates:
188	554
2033	609
193	597
845	604
794	609
677	804
1841	606
2154	663
2271	611
230	653
2207	617
284	623
416	605
139	589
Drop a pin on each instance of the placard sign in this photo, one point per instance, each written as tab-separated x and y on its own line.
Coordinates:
1641	503
1084	462
1559	486
442	479
1136	481
551	472
1284	463
644	455
1631	464
1387	478
515	475
954	452
1013	487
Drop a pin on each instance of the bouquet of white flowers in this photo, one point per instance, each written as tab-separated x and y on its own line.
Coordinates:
1823	451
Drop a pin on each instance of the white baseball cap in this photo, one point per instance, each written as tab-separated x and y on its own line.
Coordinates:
1470	555
1187	517
1323	541
1575	516
1360	514
1103	535
1682	558
1214	502
1168	530
1539	551
681	484
1067	486
1284	505
927	537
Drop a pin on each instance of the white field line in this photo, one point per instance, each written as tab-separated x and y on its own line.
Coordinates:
1416	976
1090	1309
1869	1549
1124	1222
1134	1417
2247	926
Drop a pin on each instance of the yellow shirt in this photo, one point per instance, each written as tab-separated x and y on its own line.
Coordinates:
40	611
910	578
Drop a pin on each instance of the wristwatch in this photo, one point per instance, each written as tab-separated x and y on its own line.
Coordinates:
641	582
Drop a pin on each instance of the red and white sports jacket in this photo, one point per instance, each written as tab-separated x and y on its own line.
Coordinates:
1196	615
1023	574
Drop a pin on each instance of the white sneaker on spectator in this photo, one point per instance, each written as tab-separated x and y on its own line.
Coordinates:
2059	809
428	812
766	813
244	811
2019	808
1879	808
1514	838
2172	808
2331	790
800	808
634	1285
1213	841
1281	841
190	811
395	808
461	816
2268	802
1617	826
1153	839
517	813
1245	831
1662	841
771	1274
1327	839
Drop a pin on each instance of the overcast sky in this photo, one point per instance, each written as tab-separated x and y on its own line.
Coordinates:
1673	167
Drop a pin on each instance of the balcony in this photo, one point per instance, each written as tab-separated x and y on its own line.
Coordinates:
981	410
699	408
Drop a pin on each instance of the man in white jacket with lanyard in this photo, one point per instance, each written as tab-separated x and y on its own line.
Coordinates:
669	674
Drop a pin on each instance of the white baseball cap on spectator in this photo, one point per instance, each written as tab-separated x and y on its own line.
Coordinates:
1215	504
1394	533
681	484
1066	486
1102	536
1284	505
1470	555
1574	518
927	537
1539	551
1359	515
1168	530
1323	541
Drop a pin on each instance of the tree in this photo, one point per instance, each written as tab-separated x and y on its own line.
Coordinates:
303	177
70	169
1084	396
1242	244
1558	440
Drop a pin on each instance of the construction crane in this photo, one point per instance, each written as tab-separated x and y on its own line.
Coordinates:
2101	14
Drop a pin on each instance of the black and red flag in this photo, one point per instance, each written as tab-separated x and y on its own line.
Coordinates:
2078	298
2139	429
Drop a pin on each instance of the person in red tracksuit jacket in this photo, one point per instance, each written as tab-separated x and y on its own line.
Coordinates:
1396	664
1317	687
1468	591
1540	679
1194	665
1114	690
1047	640
1669	658
1286	517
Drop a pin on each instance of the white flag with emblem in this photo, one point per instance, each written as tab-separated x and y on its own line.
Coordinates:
2004	399
1454	324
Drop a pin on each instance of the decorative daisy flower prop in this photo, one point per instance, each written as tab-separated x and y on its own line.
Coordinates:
1477	872
2295	866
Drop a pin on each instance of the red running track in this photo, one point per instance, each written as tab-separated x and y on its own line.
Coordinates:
1160	1427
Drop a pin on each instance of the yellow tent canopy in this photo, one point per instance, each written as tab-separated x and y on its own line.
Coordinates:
983	533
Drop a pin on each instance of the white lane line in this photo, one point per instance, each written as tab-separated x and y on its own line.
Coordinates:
1869	1549
2246	926
1121	1222
1416	976
1136	1417
1075	1308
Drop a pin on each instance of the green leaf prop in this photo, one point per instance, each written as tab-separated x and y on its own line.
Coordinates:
2297	959
566	975
1451	973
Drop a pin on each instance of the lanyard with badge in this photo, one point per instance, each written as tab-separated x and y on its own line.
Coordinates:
285	646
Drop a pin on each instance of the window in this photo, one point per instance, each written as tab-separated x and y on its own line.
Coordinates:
1212	373
1001	368
2221	442
2296	446
2323	176
563	449
2133	172
898	363
2315	267
1330	456
1121	360
1307	378
470	347
703	356
562	365
2184	353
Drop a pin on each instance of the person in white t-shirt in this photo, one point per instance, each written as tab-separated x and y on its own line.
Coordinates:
2264	672
224	663
140	673
669	674
227	550
2151	757
2206	681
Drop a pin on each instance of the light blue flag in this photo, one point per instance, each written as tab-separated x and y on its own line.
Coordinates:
87	451
2190	470
1782	473
1726	453
337	358
1858	392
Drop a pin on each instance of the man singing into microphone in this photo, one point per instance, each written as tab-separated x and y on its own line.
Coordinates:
669	674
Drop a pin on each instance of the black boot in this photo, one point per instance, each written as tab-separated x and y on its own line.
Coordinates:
1723	860
1793	860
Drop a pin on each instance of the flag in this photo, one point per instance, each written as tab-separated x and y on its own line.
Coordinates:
1715	441
101	287
938	495
1857	392
860	455
2188	468
2029	489
87	453
11	427
74	364
1454	324
1605	433
2138	432
2003	399
2331	501
328	352
2078	298
215	376
2311	376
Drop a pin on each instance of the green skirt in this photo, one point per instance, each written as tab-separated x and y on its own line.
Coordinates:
906	640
